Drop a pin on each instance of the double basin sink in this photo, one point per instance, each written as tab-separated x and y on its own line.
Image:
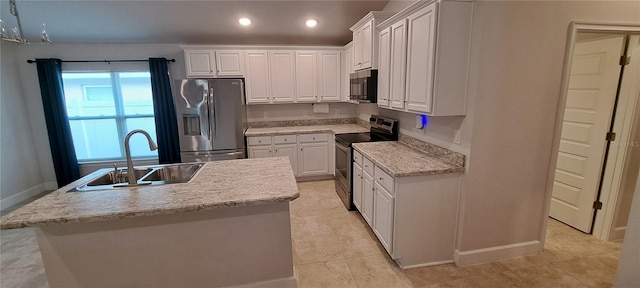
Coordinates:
145	175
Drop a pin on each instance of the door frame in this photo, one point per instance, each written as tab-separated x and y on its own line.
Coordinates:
605	218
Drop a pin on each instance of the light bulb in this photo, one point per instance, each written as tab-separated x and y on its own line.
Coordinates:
311	23
244	21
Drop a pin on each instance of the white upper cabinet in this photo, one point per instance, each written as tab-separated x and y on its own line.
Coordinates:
384	66
230	62
200	62
329	76
429	57
275	74
398	58
347	66
306	76
282	72
420	58
365	40
270	76
257	77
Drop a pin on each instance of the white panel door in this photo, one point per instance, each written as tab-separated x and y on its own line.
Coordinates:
357	186
282	74
348	69
230	62
329	76
257	77
421	45
367	198
592	90
398	64
383	217
200	63
288	150
260	151
306	76
313	159
367	45
384	53
357	49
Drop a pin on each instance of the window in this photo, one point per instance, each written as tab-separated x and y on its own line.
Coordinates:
103	107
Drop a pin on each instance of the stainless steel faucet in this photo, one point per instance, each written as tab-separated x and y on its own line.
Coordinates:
152	146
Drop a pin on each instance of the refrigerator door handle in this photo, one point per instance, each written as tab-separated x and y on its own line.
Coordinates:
213	111
208	98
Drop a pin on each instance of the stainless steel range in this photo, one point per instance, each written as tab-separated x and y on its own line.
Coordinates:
382	129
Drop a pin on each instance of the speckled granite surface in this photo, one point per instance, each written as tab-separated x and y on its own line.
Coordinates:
335	129
309	122
220	184
439	152
400	160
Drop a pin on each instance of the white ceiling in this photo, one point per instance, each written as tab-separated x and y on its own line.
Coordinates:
188	21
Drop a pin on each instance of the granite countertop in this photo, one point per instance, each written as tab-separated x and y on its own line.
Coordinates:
220	184
400	160
335	129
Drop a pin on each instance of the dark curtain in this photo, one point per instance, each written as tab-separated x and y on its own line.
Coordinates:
63	153
165	112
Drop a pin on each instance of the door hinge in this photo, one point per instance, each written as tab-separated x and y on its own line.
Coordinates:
611	136
625	60
597	205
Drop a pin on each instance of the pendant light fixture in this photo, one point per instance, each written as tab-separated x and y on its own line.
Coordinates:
15	34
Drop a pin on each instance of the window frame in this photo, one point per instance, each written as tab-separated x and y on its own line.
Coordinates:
120	116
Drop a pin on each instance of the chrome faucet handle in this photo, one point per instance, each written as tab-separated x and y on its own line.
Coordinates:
116	175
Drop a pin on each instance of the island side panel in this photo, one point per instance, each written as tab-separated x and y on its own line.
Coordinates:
214	248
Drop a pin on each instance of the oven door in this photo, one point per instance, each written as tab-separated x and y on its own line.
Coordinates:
343	174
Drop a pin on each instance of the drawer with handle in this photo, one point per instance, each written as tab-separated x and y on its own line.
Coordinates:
384	179
284	139
308	138
367	166
259	140
357	158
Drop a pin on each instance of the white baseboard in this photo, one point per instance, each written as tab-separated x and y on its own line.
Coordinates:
424	264
492	254
617	234
23	195
50	186
288	282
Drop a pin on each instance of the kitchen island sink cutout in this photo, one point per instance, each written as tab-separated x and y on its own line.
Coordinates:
149	175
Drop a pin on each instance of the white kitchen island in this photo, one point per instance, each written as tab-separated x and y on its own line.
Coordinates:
228	226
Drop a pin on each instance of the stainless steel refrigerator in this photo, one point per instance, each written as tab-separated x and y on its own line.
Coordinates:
211	119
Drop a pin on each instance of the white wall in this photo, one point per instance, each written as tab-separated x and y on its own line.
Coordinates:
20	176
516	70
629	263
302	111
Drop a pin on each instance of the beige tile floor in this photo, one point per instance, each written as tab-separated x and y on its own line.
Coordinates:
335	248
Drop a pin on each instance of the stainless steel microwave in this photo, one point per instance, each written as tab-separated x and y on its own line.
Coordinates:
364	86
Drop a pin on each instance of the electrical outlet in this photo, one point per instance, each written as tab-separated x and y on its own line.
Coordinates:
265	114
304	113
337	111
456	137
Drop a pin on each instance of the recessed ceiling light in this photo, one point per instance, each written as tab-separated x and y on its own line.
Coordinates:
244	21
311	23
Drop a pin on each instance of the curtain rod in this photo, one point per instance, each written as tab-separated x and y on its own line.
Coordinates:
101	61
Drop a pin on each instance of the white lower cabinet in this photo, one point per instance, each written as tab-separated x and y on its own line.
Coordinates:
308	153
413	217
367	198
289	150
260	151
383	215
357	186
314	159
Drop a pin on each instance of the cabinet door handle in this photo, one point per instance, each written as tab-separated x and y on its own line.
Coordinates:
314	138
381	179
